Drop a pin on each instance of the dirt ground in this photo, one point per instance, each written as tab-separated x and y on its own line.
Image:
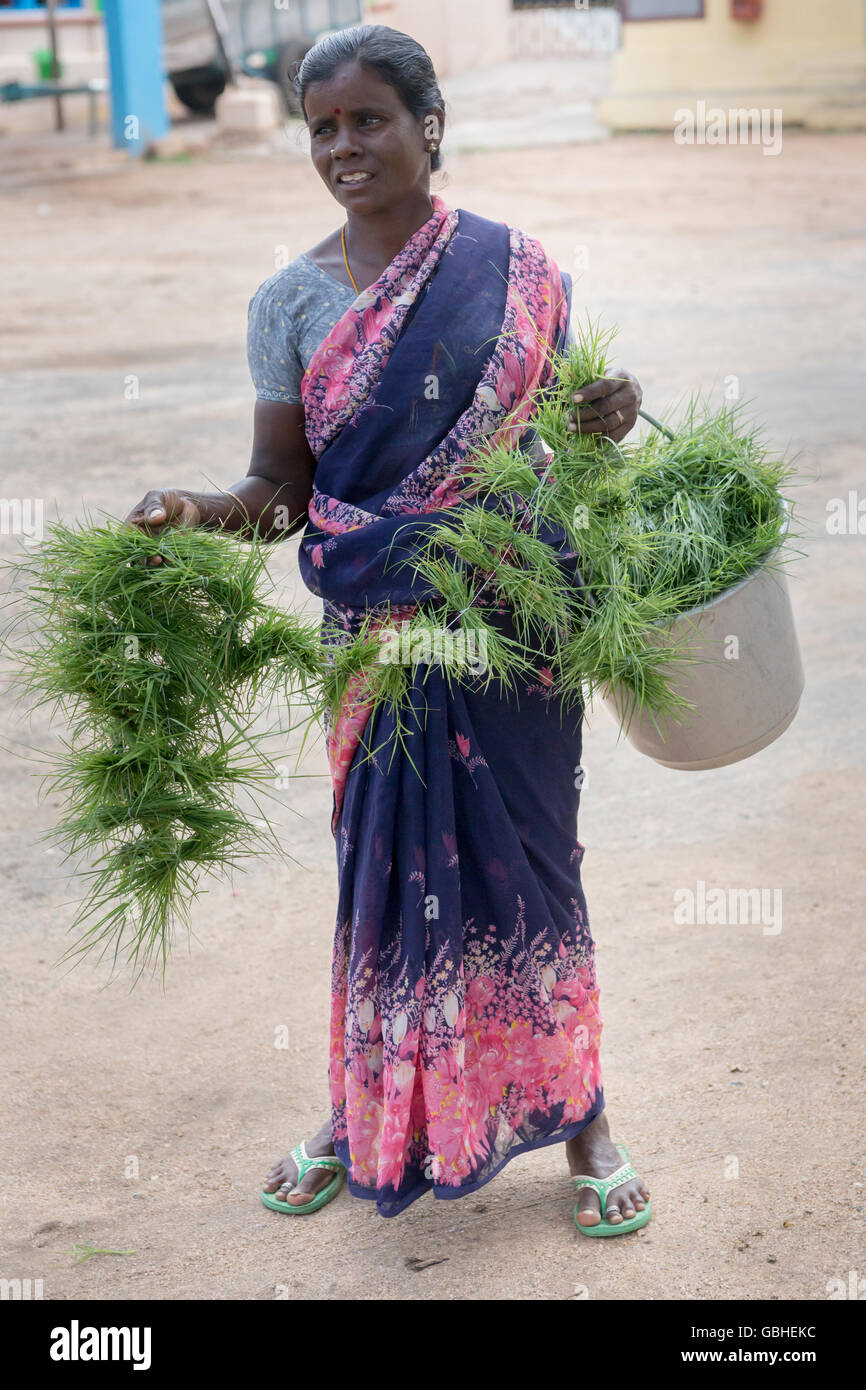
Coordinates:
144	1123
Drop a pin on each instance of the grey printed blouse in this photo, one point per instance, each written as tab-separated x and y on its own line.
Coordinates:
289	316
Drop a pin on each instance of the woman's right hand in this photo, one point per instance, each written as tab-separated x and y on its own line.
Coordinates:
161	509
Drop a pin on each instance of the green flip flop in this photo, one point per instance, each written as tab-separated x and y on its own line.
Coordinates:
603	1186
304	1164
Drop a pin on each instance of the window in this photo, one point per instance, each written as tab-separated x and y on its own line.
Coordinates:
566	4
662	9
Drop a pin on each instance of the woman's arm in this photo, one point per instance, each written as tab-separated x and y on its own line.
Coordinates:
273	496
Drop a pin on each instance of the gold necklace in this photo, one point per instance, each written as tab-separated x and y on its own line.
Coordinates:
346	259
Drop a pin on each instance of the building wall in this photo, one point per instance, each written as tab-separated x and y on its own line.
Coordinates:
561	32
805	57
459	35
80	42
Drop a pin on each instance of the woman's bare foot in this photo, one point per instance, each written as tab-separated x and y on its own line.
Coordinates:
594	1154
314	1179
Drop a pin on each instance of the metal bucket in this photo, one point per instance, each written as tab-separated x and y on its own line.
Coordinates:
741	703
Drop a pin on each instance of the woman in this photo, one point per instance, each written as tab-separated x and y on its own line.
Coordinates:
464	1020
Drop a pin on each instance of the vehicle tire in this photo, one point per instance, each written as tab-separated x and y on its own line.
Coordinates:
198	88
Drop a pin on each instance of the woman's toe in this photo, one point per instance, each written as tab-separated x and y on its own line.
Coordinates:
299	1199
280	1174
304	1192
588	1209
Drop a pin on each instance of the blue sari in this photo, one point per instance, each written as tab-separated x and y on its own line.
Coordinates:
465	1023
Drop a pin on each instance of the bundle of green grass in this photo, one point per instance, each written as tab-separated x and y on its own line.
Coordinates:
161	670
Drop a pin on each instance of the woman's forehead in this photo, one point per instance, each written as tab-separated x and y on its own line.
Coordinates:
352	86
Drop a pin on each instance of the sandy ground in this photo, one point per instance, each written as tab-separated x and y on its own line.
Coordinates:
145	1122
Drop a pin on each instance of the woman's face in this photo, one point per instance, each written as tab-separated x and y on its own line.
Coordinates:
373	136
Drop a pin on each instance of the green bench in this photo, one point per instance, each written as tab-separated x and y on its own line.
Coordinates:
26	91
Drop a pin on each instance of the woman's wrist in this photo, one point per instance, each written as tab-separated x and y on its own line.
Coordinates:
219	511
252	505
239	509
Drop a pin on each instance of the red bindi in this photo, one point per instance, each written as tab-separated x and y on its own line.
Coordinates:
336	110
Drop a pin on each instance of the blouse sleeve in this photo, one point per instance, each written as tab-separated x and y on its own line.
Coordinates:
272	352
570	332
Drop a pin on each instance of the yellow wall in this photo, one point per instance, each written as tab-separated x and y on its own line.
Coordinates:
807	57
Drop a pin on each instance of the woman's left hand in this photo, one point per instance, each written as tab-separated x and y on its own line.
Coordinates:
608	406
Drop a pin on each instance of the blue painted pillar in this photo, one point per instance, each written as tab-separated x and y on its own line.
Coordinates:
134	32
